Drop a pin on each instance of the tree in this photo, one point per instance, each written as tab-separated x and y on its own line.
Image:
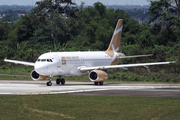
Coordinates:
167	11
172	6
55	6
55	14
166	14
5	28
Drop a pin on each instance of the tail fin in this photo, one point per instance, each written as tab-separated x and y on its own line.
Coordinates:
116	38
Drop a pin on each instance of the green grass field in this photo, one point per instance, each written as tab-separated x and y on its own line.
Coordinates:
75	107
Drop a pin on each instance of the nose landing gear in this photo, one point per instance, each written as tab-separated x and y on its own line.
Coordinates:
49	83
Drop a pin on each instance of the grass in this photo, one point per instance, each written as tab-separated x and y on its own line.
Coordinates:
72	107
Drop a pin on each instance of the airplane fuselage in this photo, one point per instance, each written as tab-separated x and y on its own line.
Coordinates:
67	63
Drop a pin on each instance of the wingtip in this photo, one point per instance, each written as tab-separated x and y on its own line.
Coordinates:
176	61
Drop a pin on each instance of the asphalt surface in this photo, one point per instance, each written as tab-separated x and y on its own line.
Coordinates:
143	93
9	87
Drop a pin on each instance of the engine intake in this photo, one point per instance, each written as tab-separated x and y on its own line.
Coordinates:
98	75
36	76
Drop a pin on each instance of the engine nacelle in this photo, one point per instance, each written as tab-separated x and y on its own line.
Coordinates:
36	76
98	76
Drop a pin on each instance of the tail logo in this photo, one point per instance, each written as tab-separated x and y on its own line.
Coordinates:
115	50
119	30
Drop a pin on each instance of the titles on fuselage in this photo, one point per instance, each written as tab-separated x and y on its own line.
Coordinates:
70	57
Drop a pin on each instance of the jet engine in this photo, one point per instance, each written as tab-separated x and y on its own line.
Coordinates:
36	76
98	76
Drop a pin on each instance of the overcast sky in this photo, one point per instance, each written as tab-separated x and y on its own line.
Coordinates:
88	2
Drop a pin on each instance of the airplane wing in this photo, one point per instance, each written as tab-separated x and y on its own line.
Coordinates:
20	62
123	66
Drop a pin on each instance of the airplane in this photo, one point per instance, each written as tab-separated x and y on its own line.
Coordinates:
91	63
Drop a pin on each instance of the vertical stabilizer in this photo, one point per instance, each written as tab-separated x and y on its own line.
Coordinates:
116	38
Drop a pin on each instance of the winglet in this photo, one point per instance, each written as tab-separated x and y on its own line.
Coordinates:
5	59
176	61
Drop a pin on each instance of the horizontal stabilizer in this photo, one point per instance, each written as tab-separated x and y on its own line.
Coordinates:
134	56
124	68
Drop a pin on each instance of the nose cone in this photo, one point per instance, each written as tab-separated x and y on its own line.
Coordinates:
40	68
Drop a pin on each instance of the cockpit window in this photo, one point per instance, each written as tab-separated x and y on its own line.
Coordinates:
43	60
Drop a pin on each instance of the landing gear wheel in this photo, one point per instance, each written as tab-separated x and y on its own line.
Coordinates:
95	83
49	83
58	81
62	81
101	83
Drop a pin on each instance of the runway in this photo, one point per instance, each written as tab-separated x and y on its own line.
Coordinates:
8	87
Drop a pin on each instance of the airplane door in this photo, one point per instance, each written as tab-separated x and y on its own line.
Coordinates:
82	61
58	61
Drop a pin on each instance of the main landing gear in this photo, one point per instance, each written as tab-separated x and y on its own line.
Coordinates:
100	83
59	80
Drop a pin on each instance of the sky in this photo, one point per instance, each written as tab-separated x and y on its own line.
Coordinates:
88	2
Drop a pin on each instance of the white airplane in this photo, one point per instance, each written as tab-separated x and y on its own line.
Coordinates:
91	63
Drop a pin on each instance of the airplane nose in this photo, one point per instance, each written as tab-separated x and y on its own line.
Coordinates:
39	68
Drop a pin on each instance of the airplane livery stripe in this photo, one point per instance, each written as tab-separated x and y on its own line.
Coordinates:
119	30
